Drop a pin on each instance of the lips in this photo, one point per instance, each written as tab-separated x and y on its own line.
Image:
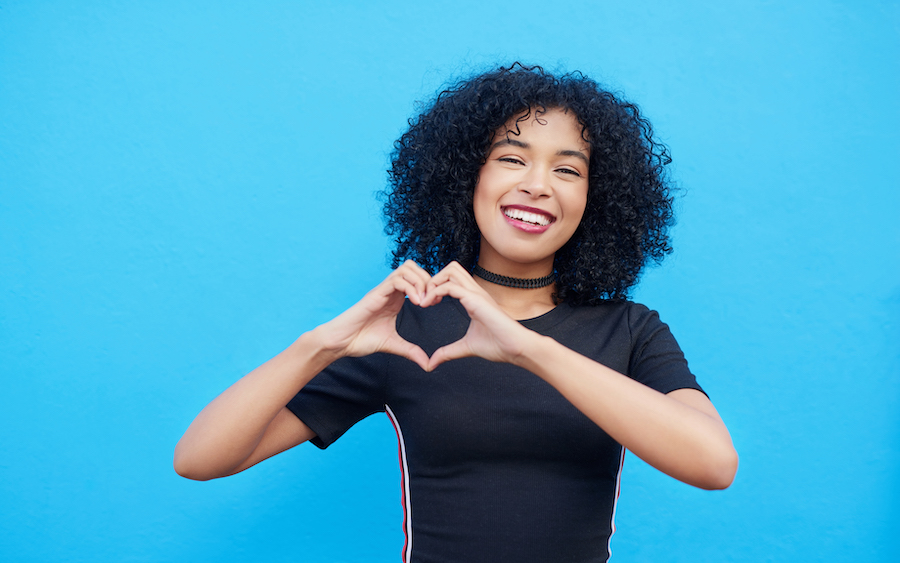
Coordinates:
528	219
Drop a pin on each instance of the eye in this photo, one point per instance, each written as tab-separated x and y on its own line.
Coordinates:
571	171
510	159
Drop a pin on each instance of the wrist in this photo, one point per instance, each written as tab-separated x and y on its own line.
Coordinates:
315	348
532	346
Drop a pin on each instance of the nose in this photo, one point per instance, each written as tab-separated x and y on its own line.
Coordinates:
536	182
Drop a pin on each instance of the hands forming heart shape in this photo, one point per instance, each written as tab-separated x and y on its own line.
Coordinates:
369	326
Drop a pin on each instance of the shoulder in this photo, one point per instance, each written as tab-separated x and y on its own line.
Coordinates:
630	338
626	320
619	312
607	321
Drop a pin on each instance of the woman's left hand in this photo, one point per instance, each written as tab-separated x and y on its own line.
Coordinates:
680	433
492	334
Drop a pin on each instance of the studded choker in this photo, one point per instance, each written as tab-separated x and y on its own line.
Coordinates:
520	283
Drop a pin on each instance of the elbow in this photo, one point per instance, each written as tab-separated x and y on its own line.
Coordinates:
720	471
188	468
185	471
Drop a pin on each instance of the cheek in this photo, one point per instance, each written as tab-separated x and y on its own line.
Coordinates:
477	196
481	199
577	203
582	210
478	209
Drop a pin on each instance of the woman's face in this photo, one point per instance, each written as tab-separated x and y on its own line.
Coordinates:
531	193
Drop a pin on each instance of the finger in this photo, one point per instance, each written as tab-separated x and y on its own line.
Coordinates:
452	351
411	283
417	277
449	287
447	278
411	287
404	272
414	269
453	271
403	348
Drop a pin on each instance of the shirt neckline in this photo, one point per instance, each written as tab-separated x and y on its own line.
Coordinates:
549	319
540	323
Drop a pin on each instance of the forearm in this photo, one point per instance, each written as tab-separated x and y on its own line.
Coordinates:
242	426
228	430
688	442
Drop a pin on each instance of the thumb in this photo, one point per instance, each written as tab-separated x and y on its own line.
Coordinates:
405	349
452	351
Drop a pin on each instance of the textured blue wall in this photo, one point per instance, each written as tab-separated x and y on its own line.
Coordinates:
185	187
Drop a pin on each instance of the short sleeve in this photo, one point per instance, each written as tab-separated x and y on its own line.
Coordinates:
341	395
656	358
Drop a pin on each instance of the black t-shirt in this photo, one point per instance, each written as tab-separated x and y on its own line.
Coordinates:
497	465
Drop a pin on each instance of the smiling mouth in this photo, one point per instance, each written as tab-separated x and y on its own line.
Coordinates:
538	219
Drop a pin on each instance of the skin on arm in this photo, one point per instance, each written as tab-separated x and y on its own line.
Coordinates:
283	433
680	433
248	422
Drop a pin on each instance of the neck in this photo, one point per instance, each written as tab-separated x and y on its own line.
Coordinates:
519	283
520	303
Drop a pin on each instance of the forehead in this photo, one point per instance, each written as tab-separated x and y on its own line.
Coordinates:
552	124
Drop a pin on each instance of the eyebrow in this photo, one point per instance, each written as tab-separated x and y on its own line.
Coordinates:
520	144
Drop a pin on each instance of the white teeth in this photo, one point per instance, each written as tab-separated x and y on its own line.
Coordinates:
533	218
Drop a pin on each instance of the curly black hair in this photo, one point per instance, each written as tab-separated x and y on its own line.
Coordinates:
435	166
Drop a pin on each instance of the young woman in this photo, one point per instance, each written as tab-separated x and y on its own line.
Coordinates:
524	207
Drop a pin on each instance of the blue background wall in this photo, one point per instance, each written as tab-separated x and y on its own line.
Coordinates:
185	187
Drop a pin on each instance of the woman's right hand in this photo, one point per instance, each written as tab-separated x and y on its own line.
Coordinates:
370	325
248	422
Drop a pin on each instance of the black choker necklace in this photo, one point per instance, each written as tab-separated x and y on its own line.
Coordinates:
520	283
